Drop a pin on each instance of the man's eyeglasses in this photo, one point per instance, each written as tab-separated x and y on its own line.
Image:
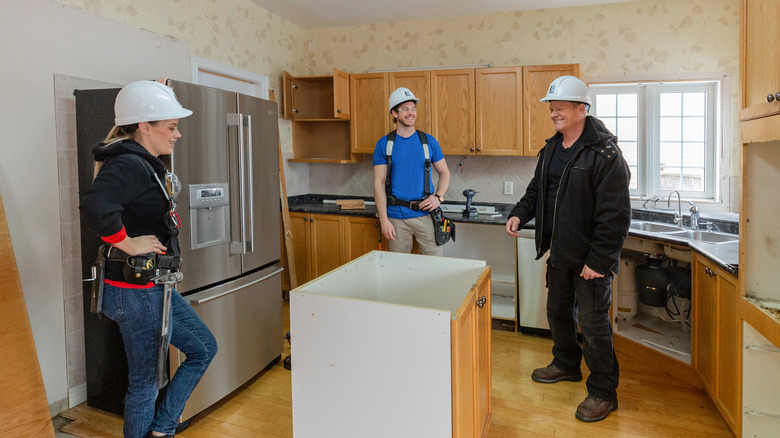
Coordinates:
412	109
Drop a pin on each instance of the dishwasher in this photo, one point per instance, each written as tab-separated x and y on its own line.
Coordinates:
531	285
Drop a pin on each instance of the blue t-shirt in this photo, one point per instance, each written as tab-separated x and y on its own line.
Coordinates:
407	170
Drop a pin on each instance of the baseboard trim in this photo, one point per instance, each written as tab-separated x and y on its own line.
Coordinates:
77	395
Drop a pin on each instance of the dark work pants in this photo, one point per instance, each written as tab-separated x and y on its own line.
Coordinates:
572	300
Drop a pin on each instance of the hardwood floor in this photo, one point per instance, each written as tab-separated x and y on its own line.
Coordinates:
651	403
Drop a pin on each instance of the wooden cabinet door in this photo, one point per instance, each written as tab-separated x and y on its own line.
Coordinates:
482	348
760	64
361	235
537	126
340	94
463	361
729	378
452	100
368	103
499	106
299	227
326	243
704	327
288	82
419	83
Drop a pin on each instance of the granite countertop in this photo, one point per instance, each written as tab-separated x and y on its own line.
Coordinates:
725	255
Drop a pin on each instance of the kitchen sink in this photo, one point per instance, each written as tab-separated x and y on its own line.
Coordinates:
653	227
457	208
704	236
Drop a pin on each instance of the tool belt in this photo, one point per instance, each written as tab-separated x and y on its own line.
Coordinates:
142	268
443	227
412	205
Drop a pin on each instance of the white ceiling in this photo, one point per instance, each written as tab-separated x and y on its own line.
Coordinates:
312	14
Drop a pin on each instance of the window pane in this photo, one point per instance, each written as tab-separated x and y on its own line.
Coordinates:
671	104
671	129
626	129
693	180
694	103
605	105
693	129
670	178
632	184
693	154
671	153
629	149
627	105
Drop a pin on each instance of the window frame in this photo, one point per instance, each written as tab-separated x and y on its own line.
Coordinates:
648	124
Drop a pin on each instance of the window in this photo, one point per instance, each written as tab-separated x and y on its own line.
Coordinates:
669	134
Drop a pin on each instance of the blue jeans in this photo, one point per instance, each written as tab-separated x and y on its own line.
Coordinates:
139	315
572	300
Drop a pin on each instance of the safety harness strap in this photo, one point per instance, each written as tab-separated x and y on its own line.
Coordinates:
391	199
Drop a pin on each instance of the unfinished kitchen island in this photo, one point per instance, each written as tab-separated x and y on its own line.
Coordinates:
392	345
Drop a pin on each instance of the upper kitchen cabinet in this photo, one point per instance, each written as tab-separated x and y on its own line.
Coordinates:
537	126
452	102
419	83
370	116
499	106
316	98
319	109
760	69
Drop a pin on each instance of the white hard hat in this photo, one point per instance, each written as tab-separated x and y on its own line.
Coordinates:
401	95
569	88
147	101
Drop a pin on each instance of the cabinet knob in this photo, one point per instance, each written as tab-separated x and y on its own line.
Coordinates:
481	302
479	149
295	111
338	111
777	97
770	97
306	219
471	149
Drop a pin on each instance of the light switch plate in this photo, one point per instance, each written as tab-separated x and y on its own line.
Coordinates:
508	187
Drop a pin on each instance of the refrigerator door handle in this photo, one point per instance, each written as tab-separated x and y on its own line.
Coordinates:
197	299
250	246
237	120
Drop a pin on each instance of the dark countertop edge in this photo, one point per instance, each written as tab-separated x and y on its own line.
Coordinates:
724	255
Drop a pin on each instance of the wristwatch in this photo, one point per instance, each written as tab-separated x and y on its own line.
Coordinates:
438	197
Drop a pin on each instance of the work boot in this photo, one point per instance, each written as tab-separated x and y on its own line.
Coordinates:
552	374
594	409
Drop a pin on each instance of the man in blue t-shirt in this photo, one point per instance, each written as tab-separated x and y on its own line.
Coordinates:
400	223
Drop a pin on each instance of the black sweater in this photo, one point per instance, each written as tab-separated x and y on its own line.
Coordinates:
125	196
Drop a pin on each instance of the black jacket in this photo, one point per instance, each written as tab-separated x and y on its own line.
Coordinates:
593	208
126	195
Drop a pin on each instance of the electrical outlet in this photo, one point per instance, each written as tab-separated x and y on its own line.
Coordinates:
508	187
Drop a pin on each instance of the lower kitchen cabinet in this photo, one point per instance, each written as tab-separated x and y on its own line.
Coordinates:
393	345
716	337
323	242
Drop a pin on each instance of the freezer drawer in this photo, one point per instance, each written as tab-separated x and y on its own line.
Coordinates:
245	317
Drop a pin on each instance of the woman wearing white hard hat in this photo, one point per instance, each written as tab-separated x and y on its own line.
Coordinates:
131	205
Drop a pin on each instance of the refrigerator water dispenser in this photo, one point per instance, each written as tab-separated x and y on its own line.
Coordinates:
209	215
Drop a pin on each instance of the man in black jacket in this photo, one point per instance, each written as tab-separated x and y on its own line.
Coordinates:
580	201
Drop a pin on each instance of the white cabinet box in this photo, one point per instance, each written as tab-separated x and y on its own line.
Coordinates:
392	345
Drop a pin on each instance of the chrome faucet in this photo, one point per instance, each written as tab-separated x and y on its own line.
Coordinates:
694	216
677	216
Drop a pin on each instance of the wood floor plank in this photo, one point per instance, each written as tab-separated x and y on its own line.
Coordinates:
651	403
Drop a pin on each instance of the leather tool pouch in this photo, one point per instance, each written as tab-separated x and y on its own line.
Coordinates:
443	228
99	275
140	269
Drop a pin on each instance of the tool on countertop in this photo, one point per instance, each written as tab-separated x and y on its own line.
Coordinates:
169	280
469	211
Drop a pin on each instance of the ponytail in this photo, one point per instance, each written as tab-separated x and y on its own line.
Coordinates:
117	134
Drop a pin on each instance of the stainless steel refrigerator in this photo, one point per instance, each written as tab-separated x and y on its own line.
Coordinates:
227	161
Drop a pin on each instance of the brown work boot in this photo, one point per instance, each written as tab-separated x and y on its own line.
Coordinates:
594	409
552	374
